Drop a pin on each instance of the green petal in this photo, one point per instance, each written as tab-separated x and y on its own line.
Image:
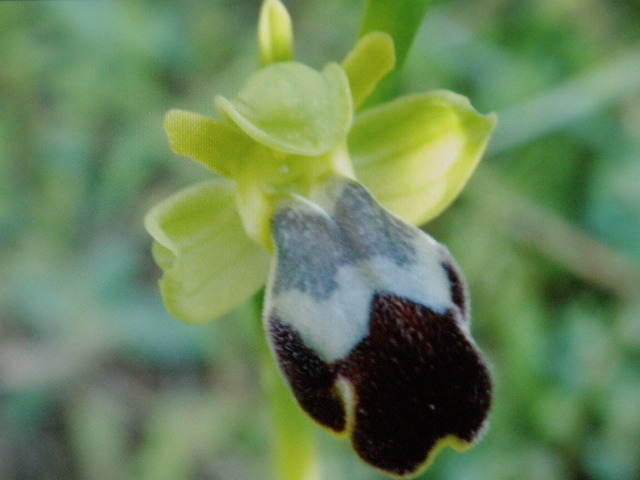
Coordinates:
416	153
275	39
371	59
210	265
293	108
399	18
215	144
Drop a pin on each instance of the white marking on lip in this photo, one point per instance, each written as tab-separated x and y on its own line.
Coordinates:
332	327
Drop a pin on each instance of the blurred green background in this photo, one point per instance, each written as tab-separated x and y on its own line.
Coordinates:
98	382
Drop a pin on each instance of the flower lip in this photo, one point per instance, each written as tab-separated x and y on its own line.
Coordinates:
419	382
368	318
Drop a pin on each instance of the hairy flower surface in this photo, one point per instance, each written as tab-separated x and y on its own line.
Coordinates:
367	315
368	318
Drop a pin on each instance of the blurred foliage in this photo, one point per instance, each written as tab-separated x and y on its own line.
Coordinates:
98	382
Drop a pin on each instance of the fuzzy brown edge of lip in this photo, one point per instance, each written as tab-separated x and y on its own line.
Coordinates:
417	379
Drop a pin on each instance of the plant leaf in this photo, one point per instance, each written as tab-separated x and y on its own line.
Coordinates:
399	18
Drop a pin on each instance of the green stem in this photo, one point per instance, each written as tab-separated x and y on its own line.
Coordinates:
294	447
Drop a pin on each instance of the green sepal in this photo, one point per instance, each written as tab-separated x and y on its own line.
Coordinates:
210	265
417	153
370	61
293	108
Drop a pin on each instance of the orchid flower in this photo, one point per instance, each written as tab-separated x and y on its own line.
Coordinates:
366	315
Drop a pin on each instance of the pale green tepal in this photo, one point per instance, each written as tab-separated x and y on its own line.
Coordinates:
290	128
290	151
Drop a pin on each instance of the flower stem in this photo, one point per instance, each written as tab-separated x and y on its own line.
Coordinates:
294	447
